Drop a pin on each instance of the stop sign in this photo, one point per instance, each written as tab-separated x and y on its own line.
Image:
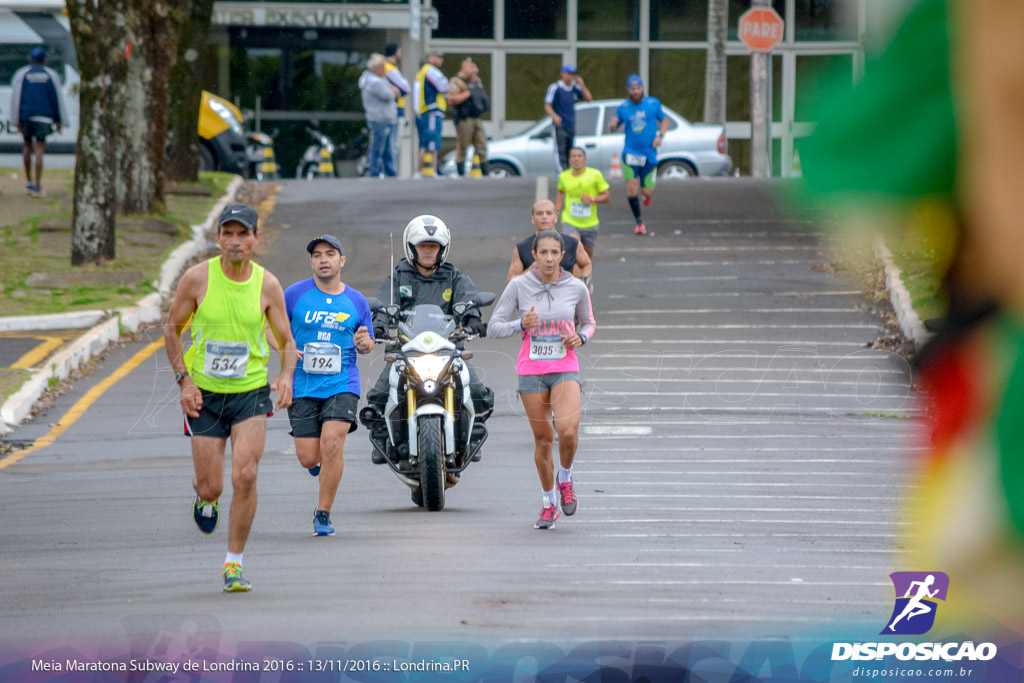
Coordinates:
760	29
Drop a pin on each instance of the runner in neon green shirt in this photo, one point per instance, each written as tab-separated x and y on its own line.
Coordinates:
581	188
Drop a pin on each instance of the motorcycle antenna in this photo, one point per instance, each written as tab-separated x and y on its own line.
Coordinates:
392	235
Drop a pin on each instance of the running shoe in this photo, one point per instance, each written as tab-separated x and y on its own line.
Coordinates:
36	191
641	229
569	500
314	470
647	200
206	513
322	523
548	516
234	582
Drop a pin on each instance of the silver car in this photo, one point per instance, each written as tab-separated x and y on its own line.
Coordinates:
689	149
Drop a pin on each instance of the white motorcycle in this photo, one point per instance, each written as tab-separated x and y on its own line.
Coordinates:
433	431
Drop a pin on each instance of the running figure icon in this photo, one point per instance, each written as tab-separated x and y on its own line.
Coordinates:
916	606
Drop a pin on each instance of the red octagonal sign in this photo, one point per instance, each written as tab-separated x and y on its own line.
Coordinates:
760	28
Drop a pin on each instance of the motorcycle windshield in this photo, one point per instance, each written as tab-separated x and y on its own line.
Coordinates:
427	318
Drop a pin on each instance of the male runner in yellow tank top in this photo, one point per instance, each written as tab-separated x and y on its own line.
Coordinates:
228	302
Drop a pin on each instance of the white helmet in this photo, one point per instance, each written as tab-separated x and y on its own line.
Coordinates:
427	228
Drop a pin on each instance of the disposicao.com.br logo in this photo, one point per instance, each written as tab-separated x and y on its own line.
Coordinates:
914	611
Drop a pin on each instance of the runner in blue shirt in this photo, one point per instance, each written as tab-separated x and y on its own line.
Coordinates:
330	322
643	137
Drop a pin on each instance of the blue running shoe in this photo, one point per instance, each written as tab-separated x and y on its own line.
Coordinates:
206	514
322	524
314	470
234	582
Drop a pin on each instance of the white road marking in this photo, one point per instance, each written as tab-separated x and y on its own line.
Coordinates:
703	295
623	430
684	311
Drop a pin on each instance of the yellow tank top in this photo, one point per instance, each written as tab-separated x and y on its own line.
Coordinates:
229	349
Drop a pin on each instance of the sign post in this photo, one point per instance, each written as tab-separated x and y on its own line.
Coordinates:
760	29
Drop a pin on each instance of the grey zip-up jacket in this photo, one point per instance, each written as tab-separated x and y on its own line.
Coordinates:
560	305
378	98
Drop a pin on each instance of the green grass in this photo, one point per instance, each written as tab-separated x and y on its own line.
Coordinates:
922	252
28	250
11	380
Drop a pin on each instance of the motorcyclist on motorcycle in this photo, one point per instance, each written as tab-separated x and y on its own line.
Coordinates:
424	276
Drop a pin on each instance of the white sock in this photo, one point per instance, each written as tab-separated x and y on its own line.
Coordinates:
550	498
564	475
233	557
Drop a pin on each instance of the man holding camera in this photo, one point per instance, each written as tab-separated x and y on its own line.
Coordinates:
469	102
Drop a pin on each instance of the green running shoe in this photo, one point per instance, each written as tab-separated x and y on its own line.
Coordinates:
234	582
206	513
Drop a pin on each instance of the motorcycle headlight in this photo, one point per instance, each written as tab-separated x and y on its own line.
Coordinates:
428	366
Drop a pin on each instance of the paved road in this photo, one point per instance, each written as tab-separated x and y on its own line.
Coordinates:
736	477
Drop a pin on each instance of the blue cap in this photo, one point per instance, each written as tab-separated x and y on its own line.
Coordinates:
38	53
329	239
568	68
634	79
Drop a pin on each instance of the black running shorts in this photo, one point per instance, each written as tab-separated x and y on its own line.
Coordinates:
308	414
221	411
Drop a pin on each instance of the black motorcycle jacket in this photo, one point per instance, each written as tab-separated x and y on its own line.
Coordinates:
445	287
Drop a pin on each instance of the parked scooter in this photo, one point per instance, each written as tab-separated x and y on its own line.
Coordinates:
433	431
318	160
259	156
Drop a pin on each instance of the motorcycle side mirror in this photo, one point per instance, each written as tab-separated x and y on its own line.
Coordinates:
375	304
275	132
392	310
483	298
459	308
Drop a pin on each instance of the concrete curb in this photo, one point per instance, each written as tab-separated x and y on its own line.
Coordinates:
910	321
147	310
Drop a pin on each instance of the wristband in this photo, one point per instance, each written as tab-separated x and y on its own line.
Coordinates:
179	376
583	338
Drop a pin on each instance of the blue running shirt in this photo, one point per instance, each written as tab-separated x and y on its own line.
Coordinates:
331	318
641	122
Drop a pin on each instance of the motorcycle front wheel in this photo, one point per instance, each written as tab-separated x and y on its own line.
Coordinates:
430	446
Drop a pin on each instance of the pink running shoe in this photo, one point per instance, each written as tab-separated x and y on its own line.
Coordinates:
548	516
569	500
641	229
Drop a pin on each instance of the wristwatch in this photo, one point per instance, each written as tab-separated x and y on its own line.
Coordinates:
178	376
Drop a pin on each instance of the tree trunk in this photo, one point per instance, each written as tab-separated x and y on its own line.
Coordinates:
715	66
186	78
98	32
155	27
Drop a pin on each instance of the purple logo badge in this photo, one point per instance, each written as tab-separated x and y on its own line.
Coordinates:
916	596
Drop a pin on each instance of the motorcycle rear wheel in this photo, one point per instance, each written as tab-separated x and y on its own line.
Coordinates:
430	447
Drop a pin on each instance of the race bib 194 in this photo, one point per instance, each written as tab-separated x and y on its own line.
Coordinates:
226	360
547	347
321	358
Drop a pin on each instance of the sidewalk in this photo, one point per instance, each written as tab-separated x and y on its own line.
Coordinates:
37	352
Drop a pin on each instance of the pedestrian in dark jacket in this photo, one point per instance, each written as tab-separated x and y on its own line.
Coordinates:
37	109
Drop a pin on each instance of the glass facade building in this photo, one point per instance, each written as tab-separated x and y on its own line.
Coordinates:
303	59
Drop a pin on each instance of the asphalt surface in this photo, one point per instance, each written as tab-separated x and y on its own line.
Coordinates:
737	475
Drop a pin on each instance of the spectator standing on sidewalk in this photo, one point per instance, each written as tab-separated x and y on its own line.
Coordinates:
393	55
37	109
560	104
379	101
469	102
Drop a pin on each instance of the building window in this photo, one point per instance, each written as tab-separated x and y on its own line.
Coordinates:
677	79
608	20
818	77
605	70
679	20
823	20
460	19
737	98
527	78
535	20
453	62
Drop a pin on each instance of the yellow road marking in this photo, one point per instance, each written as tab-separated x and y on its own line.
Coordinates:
76	411
38	353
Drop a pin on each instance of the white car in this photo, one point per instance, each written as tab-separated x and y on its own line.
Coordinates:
689	149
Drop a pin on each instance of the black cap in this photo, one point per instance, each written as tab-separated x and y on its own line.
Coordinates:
390	49
243	213
330	239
